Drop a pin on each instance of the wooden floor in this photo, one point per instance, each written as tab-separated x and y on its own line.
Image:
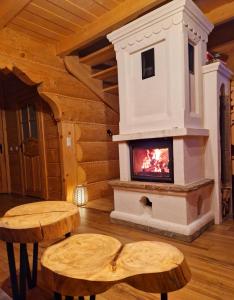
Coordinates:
210	257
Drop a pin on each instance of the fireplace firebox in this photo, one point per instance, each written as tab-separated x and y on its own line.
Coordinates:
152	160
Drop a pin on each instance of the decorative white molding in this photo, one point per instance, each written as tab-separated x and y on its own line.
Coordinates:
175	23
163	18
218	67
161	133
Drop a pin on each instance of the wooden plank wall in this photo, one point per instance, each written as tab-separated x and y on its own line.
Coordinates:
92	158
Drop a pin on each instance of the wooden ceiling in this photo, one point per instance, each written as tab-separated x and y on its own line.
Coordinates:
52	20
73	24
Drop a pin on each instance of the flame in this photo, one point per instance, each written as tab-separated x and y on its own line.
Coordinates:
156	160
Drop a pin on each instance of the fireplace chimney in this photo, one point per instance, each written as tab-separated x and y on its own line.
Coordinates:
163	79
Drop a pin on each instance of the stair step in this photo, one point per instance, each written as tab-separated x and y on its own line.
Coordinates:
105	74
113	89
99	56
103	204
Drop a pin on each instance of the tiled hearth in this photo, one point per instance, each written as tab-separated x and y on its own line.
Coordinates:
166	91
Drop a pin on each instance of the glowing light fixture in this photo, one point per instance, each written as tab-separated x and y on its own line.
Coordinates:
80	195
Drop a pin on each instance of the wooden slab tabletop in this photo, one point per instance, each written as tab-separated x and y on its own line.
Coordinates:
39	221
86	264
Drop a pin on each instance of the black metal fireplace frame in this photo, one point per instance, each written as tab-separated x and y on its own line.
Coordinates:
153	143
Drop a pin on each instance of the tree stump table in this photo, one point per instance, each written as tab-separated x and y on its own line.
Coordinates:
33	223
89	264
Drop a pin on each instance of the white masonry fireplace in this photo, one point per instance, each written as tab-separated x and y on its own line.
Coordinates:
169	140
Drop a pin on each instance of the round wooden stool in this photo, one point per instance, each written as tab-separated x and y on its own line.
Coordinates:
89	264
33	223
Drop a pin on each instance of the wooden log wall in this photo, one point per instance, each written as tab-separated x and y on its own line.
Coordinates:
98	158
52	154
88	155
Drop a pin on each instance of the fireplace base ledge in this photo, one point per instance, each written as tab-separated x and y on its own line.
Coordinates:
173	132
152	187
144	222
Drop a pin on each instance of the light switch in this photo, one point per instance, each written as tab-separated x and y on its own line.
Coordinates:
69	141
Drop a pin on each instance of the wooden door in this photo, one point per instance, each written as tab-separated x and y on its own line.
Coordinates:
30	147
4	184
14	154
3	163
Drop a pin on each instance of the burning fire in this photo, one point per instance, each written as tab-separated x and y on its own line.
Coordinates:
156	160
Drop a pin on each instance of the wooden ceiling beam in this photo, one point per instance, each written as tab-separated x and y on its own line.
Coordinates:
221	40
221	34
118	16
221	14
9	9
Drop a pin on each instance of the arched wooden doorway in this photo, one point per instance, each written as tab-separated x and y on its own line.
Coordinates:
30	142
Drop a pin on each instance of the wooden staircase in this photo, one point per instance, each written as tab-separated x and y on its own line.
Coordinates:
97	70
103	67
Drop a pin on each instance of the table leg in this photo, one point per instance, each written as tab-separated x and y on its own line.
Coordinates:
12	269
32	276
34	265
19	288
164	296
23	271
57	296
29	280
